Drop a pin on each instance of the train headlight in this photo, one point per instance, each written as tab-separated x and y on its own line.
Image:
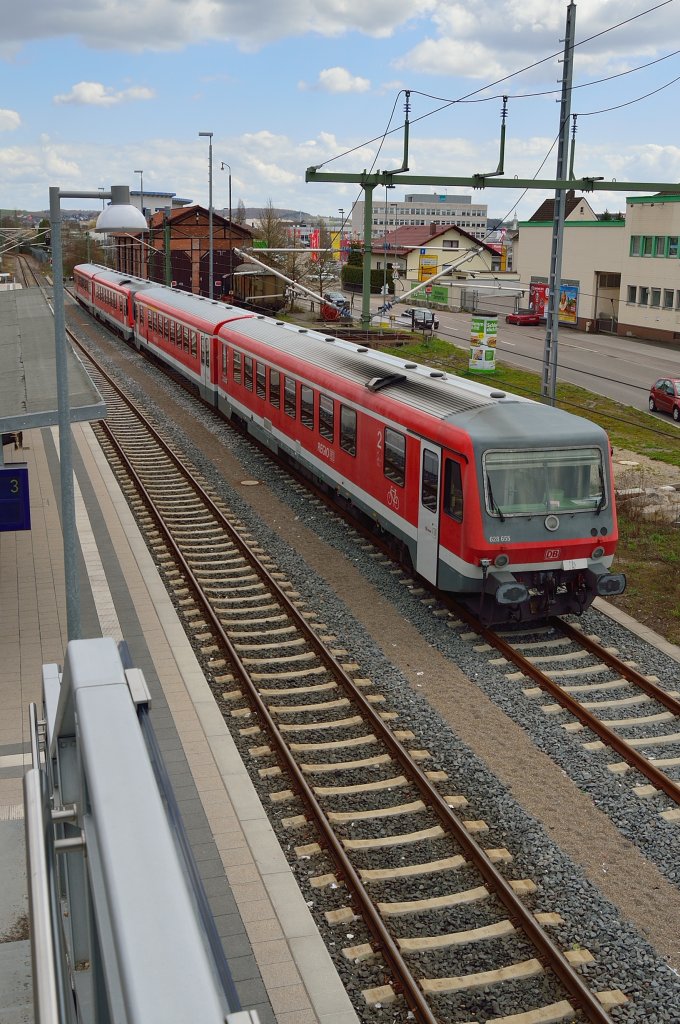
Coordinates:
500	561
597	552
552	522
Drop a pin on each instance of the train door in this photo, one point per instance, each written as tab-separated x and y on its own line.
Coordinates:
428	511
205	361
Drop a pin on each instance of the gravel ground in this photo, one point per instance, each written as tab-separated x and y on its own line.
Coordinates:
608	863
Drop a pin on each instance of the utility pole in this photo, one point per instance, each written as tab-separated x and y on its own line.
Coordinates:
549	382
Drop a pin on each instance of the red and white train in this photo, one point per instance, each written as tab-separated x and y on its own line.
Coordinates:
503	501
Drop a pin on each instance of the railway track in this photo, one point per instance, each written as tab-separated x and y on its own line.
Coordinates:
344	775
629	712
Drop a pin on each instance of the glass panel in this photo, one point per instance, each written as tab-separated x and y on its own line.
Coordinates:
275	388
348	430
537	482
248	372
394	457
289	398
260	381
430	481
237	367
453	490
326	418
307	407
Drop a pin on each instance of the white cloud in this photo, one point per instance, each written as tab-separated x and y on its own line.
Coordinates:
98	95
341	80
9	120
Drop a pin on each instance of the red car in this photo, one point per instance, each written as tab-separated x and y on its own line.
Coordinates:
664	396
526	319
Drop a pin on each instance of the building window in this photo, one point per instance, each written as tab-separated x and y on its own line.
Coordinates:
677	299
632	293
668	298
659	245
646	245
394	457
656	297
643	295
673	246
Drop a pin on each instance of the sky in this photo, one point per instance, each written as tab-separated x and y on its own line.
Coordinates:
92	91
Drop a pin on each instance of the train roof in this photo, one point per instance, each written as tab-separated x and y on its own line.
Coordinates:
490	415
113	277
212	311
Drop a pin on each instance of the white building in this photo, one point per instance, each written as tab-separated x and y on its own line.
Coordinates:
419	209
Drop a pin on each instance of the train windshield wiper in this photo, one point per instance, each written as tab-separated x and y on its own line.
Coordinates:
600	504
494	504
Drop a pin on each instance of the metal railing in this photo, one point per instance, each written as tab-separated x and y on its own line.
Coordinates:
117	918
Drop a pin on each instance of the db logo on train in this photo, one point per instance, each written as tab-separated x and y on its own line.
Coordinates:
552	554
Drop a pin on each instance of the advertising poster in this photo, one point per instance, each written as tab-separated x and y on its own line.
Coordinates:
538	298
568	304
483	336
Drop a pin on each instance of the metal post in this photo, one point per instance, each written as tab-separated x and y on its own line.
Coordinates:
231	257
549	382
141	207
366	277
209	135
68	508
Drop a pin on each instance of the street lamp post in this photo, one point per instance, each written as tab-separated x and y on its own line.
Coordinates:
231	256
209	135
342	231
119	216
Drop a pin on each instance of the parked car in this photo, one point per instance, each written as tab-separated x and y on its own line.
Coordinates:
526	318
335	307
664	396
418	319
335	298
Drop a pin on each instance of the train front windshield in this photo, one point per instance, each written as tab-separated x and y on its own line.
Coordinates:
526	483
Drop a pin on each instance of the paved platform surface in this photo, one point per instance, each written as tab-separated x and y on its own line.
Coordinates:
277	957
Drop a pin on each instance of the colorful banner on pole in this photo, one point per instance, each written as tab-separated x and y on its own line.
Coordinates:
483	335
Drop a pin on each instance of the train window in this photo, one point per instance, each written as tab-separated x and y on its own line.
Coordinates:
307	407
394	457
289	397
224	360
326	418
275	388
348	430
538	481
453	490
260	381
430	481
172	331
166	327
237	367
193	343
185	346
248	372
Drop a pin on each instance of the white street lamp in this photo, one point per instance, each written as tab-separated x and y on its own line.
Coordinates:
119	216
231	256
209	135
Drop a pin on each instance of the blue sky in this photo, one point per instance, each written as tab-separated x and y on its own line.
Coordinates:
91	90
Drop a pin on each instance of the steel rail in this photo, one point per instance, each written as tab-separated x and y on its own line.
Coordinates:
656	776
547	949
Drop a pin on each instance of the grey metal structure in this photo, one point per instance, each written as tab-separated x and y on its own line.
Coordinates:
114	929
